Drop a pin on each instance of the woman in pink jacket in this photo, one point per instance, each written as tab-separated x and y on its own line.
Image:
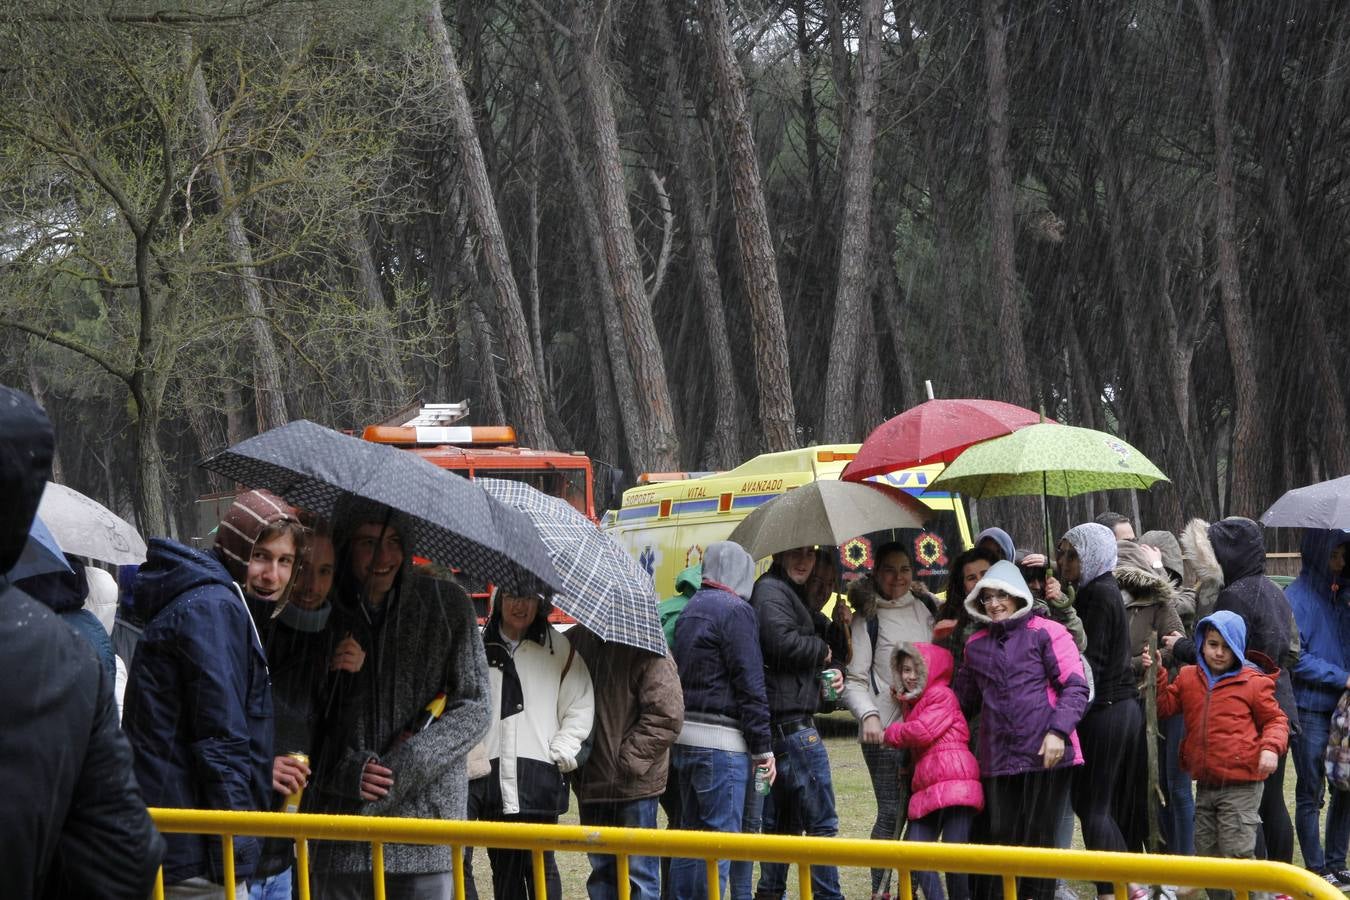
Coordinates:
946	792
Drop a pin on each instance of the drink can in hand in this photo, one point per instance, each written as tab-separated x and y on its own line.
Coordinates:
762	783
292	803
827	688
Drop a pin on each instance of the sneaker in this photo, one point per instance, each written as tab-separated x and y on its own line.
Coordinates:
1334	879
1343	876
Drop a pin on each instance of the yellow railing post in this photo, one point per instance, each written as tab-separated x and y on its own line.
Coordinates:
540	883
377	867
804	879
905	884
714	878
457	868
227	858
302	867
158	893
1010	887
621	875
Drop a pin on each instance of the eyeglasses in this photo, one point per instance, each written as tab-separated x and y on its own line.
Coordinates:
995	595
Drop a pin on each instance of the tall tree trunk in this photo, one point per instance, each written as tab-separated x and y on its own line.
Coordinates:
536	325
605	444
869	409
723	449
38	386
1006	301
851	307
777	413
590	47
481	329
888	296
387	365
625	386
271	400
1249	463
527	399
958	383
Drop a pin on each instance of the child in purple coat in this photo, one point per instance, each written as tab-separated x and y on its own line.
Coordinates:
946	792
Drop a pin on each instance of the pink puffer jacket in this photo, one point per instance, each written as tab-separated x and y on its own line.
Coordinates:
945	771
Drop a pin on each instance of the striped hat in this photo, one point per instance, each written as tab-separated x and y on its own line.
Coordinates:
246	518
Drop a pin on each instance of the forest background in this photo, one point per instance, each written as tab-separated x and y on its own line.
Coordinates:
673	234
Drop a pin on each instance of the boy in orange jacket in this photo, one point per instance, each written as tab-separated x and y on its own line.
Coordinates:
1235	732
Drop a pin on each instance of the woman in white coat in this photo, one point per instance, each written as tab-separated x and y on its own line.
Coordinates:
543	707
889	608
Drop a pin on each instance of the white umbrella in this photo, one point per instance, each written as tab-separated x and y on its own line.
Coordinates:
84	527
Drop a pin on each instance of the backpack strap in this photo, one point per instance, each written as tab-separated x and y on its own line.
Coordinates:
873	631
567	666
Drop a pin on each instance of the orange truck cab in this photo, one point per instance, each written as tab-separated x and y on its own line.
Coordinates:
489	451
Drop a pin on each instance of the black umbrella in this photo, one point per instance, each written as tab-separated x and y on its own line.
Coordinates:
448	519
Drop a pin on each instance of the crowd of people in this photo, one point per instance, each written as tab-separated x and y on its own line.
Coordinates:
300	664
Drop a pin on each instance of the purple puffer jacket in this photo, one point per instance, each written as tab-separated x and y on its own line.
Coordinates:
1025	677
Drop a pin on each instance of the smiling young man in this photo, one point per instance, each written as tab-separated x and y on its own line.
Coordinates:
417	637
199	700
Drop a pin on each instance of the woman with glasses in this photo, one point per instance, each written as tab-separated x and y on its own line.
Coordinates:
1023	676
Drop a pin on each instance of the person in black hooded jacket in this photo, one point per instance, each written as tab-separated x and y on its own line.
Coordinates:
73	823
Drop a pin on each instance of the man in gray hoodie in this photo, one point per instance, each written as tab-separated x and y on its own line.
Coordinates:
420	638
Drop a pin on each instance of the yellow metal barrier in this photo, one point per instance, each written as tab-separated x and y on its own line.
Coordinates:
1120	869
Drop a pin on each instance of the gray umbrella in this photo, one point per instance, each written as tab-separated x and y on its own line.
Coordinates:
1322	505
602	587
85	527
826	513
448	519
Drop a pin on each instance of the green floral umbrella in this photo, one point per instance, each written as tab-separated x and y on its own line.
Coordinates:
1051	460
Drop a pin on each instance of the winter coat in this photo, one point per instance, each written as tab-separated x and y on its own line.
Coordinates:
945	771
199	704
548	711
1323	618
687	584
720	666
1000	537
1102	609
298	661
1148	597
1239	546
794	650
1025	678
907	619
426	641
64	593
1230	717
639	709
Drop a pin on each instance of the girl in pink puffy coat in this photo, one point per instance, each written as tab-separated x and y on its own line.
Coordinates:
946	792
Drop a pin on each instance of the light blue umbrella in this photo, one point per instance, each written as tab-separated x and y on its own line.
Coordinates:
41	554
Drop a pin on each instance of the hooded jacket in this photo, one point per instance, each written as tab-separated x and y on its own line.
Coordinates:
945	771
1024	676
639	709
547	708
73	823
686	585
426	641
794	647
1102	609
199	703
1323	617
1230	716
906	619
64	593
1240	549
1149	604
1000	537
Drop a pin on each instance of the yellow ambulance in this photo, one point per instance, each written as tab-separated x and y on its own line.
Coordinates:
667	521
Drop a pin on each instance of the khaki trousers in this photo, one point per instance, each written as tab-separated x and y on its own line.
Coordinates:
1226	820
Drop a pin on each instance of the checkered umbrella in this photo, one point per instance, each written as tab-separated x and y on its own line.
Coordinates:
603	587
448	519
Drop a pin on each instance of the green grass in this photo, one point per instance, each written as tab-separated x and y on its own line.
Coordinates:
854	803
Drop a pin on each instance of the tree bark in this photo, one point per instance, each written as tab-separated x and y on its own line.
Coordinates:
1016	385
891	301
271	399
527	398
851	309
723	450
625	386
1250	459
38	386
605	445
644	347
777	413
387	365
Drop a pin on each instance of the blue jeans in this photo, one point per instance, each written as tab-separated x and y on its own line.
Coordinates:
1179	817
644	872
752	822
712	795
801	802
275	887
1309	749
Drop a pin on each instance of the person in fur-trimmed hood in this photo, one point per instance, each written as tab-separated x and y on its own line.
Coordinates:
946	791
1149	603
